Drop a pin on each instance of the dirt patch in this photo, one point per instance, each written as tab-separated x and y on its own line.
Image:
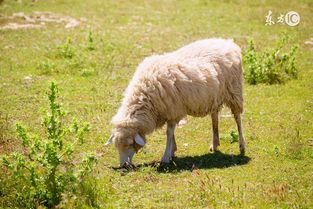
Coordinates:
16	26
309	42
37	20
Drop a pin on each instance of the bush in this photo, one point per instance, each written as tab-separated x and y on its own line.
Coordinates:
45	171
271	66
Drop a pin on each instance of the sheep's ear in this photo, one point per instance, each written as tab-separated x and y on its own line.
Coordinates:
110	140
139	140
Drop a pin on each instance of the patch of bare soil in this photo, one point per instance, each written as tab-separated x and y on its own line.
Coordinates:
37	20
309	42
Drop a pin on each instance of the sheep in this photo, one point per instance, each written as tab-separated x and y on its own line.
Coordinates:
195	80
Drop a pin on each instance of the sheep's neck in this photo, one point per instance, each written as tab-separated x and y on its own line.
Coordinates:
143	118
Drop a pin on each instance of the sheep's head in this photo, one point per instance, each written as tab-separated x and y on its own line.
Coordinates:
127	142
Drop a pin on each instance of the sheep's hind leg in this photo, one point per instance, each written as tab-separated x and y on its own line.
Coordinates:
242	143
216	139
170	144
174	146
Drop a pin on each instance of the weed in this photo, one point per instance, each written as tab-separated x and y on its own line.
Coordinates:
44	172
86	72
233	136
46	67
270	66
90	42
67	50
276	150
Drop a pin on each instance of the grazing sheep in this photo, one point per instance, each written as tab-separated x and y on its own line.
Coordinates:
195	80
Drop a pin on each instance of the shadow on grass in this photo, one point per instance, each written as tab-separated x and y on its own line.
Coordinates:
206	161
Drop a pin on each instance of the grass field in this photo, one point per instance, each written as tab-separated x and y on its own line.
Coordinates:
277	170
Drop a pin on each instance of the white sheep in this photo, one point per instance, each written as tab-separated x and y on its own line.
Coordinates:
195	80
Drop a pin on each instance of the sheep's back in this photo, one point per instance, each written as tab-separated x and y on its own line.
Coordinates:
198	78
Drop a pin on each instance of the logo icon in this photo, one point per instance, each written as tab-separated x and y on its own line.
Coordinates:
292	18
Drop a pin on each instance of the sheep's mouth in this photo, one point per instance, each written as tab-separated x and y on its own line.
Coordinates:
128	166
126	157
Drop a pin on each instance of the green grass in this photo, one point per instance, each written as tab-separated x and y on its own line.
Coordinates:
277	169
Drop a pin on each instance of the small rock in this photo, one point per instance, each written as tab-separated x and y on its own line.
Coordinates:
182	122
72	23
9	47
83	19
28	78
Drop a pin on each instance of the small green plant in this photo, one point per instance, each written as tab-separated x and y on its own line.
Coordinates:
86	72
45	171
270	66
90	42
67	50
46	67
233	136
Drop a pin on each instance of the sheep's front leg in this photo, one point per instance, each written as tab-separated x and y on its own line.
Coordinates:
242	143
216	139
170	144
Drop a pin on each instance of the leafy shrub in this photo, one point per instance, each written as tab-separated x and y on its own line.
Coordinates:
45	170
270	66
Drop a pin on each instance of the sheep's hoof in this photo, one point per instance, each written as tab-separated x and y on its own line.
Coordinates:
166	159
213	149
128	166
173	155
164	164
242	150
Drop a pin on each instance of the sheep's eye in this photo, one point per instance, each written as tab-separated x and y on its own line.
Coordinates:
126	146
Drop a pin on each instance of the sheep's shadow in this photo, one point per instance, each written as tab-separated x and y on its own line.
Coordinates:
206	161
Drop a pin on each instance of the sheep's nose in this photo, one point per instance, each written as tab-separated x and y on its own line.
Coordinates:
126	156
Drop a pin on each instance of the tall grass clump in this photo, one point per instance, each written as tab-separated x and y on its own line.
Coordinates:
47	168
271	66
